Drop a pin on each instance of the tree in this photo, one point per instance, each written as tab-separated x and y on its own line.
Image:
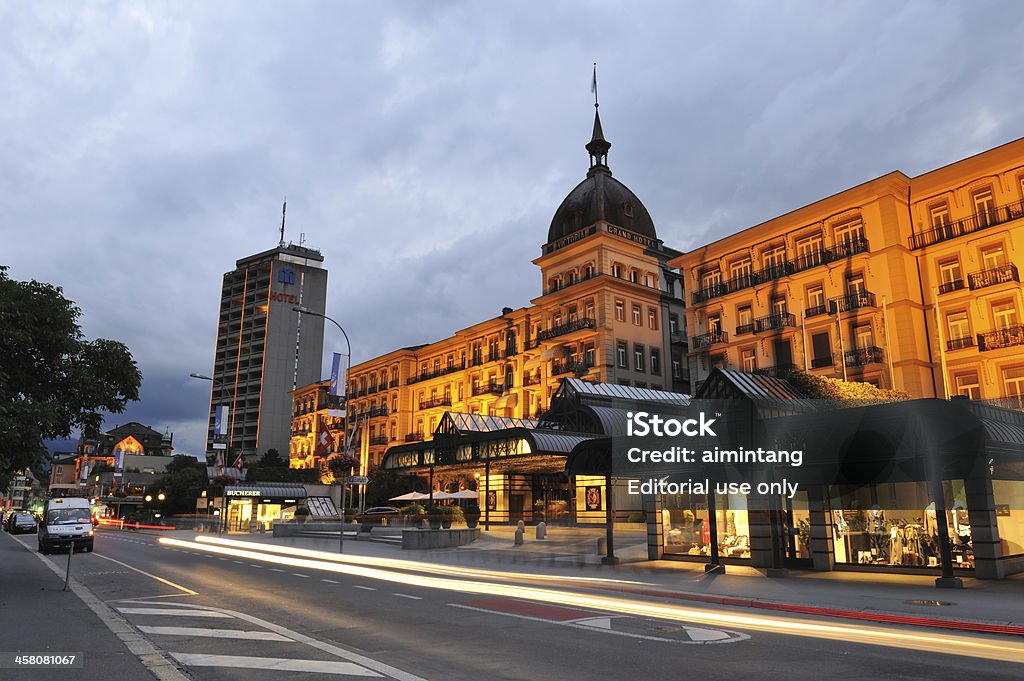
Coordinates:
385	484
340	465
53	380
180	483
827	388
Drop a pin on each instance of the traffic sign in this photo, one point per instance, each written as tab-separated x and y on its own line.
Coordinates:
358	480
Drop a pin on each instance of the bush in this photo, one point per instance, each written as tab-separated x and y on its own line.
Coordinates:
412	509
301	514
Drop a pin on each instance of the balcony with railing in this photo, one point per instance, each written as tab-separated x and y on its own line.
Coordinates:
439	401
816	310
706	340
378	440
777	371
960	343
416	436
531	380
950	286
864	356
492	387
1001	338
376	412
569	366
993	276
983	220
566	284
851	301
775	322
434	373
749	327
841	251
822	362
566	328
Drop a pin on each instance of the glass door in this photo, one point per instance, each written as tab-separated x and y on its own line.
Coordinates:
797	522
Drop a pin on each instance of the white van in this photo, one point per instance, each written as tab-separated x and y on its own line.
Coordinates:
65	521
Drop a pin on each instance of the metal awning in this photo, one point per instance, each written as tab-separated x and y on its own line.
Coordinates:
269	490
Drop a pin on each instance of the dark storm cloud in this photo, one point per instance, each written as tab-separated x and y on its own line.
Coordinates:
423	147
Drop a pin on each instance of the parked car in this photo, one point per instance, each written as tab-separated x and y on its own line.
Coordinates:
21	523
378	516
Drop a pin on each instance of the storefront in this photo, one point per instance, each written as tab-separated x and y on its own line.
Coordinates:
253	507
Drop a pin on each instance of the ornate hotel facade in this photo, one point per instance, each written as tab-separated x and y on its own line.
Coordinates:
906	283
610	309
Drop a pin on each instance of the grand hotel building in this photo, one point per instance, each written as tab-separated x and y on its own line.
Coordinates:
609	309
906	283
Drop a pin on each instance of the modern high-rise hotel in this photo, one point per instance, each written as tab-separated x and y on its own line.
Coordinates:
263	348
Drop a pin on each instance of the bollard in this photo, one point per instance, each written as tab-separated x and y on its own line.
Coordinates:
542	530
521	526
67	574
602	546
519	536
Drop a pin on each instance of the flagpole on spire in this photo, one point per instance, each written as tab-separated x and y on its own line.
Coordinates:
593	86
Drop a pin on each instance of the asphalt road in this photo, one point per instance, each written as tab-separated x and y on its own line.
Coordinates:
320	624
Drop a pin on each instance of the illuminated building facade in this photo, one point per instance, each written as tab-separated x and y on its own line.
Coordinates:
264	350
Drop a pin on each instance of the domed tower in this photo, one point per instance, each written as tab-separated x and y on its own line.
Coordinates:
611	308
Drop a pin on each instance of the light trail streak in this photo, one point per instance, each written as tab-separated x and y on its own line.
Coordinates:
409	565
949	644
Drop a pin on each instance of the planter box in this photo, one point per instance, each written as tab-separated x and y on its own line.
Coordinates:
438	539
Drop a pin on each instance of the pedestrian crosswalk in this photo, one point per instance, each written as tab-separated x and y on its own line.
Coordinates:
224	647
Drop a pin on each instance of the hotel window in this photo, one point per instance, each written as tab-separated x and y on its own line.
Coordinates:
652	318
648	281
850	232
855	284
461	392
1004	315
655	361
714	323
617	270
637	314
638	357
634	276
1013	382
437	365
590	310
774	257
984	205
821	348
862	337
744	316
810	250
950	276
779	306
572	313
741	271
993	257
588	355
939	215
748	359
620	310
588	271
677	369
815	298
709	279
958	325
571	278
673	323
967	384
60	470
621	354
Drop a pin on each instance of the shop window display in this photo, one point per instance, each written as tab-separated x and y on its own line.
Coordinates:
894	524
688	532
1009	500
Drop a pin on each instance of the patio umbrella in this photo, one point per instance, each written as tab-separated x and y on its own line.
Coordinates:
466	494
442	496
411	496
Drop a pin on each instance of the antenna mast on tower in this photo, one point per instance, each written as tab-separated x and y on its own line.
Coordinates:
284	209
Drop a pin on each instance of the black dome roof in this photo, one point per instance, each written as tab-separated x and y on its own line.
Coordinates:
600	197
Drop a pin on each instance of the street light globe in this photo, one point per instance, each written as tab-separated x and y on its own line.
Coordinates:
149	497
161	496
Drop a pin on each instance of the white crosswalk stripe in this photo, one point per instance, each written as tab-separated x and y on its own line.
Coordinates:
214	633
172	612
274	663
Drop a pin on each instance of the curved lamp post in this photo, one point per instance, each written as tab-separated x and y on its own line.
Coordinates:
348	370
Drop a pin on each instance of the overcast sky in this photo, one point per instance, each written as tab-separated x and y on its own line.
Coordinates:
423	146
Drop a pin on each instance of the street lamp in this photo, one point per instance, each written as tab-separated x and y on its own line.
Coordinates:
223	502
348	369
161	496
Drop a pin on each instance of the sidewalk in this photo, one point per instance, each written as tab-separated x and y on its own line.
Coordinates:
571	552
38	616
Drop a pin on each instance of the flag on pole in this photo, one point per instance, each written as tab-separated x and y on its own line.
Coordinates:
323	440
239	461
220	462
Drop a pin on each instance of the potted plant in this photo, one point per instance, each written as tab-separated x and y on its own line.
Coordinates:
412	514
450	514
301	514
472	514
434	514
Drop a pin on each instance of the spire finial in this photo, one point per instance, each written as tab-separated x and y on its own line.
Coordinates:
593	86
598	146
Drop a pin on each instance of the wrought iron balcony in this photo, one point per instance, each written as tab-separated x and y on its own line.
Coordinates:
851	301
775	322
746	328
493	387
777	371
993	276
567	327
416	436
1001	338
960	343
377	411
822	362
974	223
816	310
950	286
775	271
566	284
531	380
569	366
379	440
439	401
703	295
706	340
864	356
434	373
394	383
847	249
